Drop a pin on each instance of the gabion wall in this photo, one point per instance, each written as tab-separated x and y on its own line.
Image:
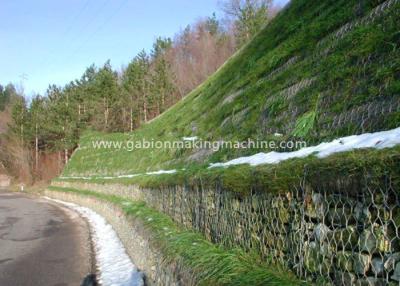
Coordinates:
137	241
326	237
342	232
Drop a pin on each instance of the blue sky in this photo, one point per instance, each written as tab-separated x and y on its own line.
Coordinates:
53	41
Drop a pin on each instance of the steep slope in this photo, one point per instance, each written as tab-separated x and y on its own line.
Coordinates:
318	71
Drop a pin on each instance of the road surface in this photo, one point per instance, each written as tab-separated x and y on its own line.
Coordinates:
41	243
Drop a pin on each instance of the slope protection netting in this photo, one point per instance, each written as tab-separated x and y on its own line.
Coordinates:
340	230
352	99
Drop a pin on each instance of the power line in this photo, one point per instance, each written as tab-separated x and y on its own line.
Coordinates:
70	28
99	28
66	31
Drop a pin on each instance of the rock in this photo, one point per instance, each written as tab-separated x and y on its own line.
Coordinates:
326	250
378	213
345	261
371	281
362	213
255	202
344	278
321	232
281	209
315	258
340	216
396	273
317	198
377	266
345	238
315	206
361	263
374	240
311	259
391	260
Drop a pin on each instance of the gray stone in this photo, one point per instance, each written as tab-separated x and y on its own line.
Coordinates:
391	260
396	273
345	238
374	240
371	281
377	266
315	258
361	263
340	216
362	213
317	198
345	261
315	206
344	278
321	232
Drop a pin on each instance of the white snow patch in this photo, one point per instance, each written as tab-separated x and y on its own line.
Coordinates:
128	176
115	266
194	138
76	177
377	140
161	172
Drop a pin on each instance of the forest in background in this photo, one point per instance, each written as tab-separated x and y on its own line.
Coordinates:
37	136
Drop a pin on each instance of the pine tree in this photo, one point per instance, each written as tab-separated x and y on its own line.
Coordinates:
163	85
249	17
137	83
19	116
38	120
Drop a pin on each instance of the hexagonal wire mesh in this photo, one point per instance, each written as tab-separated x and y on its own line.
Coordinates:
336	233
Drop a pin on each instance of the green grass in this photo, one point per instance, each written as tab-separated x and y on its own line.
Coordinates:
361	68
280	178
212	264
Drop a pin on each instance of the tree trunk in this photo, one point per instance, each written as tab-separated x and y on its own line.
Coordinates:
144	109
36	149
59	161
65	156
131	123
105	113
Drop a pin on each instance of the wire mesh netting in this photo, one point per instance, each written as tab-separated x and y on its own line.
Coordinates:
345	105
344	232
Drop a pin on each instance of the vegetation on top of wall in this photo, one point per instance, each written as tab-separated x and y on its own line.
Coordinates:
212	264
354	166
307	76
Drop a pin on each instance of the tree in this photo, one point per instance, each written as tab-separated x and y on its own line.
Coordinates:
137	82
160	46
63	124
162	74
249	16
19	118
38	121
6	95
212	25
163	85
105	90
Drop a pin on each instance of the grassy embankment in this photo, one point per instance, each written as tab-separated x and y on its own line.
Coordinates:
296	77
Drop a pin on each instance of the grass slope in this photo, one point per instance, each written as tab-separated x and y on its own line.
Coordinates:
319	70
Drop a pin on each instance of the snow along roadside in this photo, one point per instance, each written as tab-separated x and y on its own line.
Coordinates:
112	261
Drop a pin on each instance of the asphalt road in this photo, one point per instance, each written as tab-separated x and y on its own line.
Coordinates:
41	243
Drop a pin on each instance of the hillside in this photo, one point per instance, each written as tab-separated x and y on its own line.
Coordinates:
322	73
320	70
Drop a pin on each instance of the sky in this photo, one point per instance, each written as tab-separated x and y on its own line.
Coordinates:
46	42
